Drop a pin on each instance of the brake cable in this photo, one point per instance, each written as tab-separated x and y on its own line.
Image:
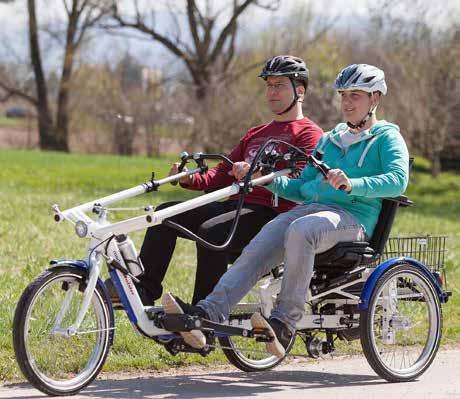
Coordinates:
298	153
244	189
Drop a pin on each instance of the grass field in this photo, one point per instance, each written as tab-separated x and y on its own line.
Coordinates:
4	121
30	182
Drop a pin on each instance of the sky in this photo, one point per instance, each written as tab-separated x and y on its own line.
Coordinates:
13	27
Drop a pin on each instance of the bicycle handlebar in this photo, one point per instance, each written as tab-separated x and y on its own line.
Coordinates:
268	161
296	155
200	159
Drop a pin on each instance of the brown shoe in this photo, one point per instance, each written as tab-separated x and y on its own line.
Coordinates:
195	338
281	335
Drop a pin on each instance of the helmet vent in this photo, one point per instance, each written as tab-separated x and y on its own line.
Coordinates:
356	78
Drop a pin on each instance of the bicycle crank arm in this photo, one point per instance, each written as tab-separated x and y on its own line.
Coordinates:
183	323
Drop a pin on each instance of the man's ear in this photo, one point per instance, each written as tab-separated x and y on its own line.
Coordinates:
301	90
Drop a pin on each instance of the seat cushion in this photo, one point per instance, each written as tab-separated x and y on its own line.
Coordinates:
346	255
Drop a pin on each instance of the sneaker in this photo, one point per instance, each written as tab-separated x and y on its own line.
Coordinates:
171	305
191	310
280	333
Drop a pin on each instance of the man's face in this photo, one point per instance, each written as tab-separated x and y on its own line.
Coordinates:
279	93
355	104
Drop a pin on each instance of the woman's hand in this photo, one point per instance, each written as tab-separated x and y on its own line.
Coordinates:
337	178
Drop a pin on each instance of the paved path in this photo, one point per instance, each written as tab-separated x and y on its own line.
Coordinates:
344	377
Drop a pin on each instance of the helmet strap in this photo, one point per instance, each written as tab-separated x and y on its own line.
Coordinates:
294	101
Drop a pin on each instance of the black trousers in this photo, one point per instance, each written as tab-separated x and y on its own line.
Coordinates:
211	222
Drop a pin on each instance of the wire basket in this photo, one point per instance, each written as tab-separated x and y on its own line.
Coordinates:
428	250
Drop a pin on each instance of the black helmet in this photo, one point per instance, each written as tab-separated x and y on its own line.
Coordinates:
286	65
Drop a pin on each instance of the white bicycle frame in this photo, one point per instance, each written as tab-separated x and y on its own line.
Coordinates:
101	230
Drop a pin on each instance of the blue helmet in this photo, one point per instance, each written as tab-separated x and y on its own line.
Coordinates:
361	77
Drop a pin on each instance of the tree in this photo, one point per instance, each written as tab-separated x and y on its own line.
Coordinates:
421	64
81	15
213	49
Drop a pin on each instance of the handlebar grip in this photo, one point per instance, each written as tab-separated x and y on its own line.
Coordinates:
324	169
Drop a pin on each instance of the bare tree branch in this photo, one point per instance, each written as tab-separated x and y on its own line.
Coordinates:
192	23
55	34
228	29
11	92
272	5
66	6
140	25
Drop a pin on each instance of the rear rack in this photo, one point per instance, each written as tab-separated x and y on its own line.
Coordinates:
429	250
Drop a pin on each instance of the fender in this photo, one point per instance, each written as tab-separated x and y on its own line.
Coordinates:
388	264
82	265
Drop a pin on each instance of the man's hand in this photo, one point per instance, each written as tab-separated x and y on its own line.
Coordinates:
239	170
175	170
337	178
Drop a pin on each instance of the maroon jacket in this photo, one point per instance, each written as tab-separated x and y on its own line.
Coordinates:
302	133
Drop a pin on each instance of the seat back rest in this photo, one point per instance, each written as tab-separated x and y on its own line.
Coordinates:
386	218
384	224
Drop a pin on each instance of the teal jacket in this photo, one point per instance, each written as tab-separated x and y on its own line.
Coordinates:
377	166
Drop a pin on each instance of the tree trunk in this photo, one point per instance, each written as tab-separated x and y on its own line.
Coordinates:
45	121
124	134
62	118
436	164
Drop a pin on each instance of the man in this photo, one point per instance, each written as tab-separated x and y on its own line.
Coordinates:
286	83
371	161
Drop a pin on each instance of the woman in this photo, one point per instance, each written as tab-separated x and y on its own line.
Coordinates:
369	160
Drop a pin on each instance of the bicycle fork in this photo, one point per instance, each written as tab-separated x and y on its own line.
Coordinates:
94	271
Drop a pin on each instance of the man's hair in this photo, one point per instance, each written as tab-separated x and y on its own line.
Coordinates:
298	83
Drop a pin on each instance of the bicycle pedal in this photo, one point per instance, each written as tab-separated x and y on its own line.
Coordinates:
178	322
178	345
262	335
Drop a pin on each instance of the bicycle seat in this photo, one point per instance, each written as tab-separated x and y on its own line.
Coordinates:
347	255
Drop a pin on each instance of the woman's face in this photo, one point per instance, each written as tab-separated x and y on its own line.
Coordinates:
355	104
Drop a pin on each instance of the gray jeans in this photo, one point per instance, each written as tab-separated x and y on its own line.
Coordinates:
295	237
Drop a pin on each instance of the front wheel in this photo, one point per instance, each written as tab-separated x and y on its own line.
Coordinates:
52	360
401	329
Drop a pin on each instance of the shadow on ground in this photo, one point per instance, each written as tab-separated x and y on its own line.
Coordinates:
219	385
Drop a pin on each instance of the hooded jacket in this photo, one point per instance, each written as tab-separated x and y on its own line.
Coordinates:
377	166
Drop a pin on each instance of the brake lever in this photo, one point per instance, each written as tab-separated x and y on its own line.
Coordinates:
323	168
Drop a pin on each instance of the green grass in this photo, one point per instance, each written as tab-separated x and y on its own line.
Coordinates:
4	121
30	182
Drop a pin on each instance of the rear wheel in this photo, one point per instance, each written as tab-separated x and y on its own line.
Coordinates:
401	329
54	361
